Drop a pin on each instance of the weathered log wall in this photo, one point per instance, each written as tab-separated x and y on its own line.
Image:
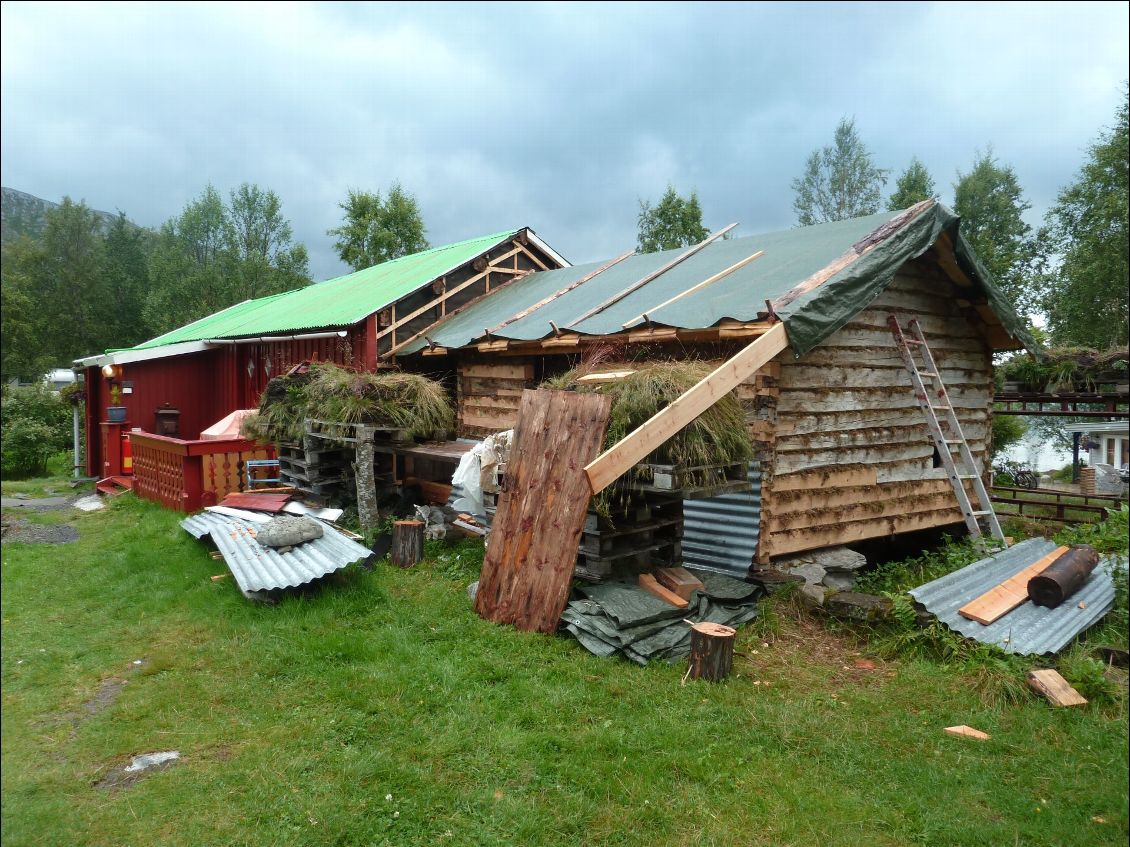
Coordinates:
851	457
489	394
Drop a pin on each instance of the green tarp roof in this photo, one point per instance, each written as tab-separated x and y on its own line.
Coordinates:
337	302
788	258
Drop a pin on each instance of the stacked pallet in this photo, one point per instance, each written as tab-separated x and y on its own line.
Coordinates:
647	532
489	395
319	469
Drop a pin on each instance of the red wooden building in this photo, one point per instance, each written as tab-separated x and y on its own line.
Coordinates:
174	386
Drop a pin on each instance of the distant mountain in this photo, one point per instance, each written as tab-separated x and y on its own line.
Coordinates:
25	214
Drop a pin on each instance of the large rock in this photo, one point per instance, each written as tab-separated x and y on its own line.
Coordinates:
287	531
839	560
865	608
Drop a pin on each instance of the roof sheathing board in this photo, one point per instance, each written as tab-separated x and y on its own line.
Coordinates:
341	301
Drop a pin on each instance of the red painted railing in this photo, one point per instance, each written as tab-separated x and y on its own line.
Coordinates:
189	475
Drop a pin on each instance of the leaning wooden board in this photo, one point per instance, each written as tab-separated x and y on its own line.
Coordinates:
998	602
541	509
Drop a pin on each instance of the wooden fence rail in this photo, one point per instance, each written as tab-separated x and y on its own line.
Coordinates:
1093	506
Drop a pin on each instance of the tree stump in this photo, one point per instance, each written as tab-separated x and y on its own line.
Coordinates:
712	651
407	543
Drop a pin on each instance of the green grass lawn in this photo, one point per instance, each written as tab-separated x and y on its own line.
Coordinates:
379	709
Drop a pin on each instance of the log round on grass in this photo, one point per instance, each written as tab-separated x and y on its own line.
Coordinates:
407	543
712	651
1063	577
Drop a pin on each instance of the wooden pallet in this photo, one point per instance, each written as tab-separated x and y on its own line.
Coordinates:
689	483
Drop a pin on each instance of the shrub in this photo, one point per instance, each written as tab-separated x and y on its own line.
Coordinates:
35	424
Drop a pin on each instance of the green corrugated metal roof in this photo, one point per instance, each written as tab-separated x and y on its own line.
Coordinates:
337	302
789	258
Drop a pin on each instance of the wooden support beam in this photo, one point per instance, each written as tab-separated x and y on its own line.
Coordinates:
545	300
606	468
530	255
640	283
706	282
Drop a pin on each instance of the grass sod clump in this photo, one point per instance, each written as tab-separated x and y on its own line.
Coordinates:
393	399
718	436
296	721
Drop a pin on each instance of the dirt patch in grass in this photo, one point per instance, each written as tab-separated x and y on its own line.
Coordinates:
138	768
104	697
27	532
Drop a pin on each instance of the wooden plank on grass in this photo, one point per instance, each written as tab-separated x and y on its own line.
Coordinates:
541	509
1055	688
998	602
964	731
604	470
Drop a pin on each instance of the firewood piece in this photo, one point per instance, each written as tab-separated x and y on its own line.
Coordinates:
679	580
998	602
1055	688
219	576
1063	577
649	584
712	651
964	731
407	543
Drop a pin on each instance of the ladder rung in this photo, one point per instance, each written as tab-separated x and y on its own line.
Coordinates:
968	476
913	341
927	373
941	407
982	513
954	441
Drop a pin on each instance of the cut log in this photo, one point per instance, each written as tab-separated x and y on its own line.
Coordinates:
1063	577
649	584
541	509
712	651
678	580
1055	688
998	602
407	543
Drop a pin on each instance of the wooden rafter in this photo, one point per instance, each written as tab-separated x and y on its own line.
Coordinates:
610	465
545	300
640	283
706	282
450	292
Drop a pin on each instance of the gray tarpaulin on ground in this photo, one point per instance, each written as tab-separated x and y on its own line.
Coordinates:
621	617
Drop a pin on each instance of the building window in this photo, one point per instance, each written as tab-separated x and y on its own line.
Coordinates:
1109	450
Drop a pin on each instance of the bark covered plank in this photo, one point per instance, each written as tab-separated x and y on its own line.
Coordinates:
541	509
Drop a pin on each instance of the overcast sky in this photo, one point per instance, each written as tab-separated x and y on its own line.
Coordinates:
557	117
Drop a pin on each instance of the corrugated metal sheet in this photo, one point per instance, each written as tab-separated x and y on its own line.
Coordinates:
341	301
258	568
720	533
1029	629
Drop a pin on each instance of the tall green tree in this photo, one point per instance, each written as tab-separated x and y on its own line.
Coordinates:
671	223
991	204
376	229
23	352
213	255
126	276
913	186
840	181
265	259
1087	232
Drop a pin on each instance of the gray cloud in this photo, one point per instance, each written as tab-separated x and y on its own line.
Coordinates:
557	116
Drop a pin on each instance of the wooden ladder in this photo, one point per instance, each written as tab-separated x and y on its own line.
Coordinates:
938	400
